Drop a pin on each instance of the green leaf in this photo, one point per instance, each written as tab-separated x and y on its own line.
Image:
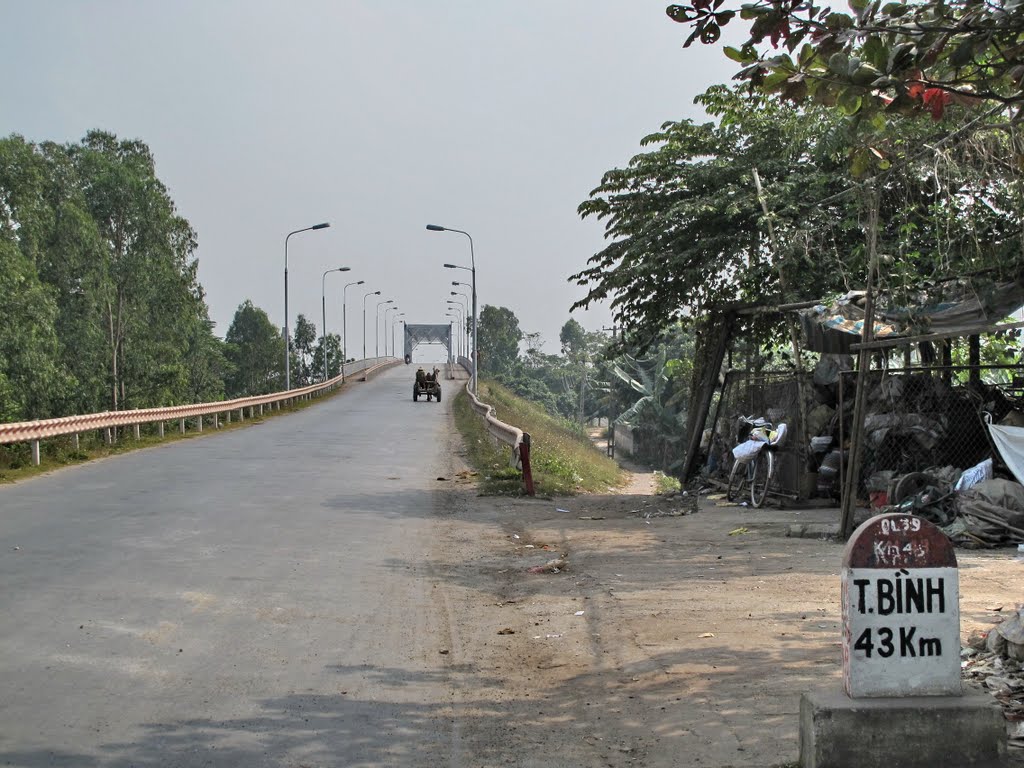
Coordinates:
849	101
736	54
839	63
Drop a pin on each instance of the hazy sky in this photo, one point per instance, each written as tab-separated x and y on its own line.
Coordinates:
379	117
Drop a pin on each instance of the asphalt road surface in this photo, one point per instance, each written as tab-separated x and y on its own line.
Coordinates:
255	597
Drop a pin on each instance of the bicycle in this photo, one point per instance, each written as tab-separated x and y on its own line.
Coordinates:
754	463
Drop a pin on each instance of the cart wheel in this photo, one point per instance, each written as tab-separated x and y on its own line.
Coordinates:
415	395
439	395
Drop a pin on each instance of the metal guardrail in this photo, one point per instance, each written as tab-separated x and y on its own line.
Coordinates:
506	433
34	431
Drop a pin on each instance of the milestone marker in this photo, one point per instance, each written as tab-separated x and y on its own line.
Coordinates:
901	610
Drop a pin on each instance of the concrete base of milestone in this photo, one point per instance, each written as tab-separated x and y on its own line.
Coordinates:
914	732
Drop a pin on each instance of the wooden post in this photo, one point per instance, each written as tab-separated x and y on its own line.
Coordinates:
160	428
35	453
138	433
182	426
199	423
974	360
74	441
850	482
712	352
524	457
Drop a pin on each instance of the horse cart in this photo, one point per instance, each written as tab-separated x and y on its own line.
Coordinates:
426	385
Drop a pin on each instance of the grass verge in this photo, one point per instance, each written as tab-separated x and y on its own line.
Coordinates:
564	461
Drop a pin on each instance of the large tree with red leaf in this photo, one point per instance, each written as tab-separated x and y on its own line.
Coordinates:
876	58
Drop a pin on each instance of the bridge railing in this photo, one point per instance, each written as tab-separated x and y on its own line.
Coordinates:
34	431
507	434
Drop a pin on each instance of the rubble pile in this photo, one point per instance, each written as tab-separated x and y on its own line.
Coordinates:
995	660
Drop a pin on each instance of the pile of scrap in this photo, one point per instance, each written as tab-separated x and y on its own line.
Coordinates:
985	513
995	660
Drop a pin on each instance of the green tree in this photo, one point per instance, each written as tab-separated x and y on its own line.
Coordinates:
254	349
31	381
304	341
499	335
145	276
572	336
207	364
333	345
686	223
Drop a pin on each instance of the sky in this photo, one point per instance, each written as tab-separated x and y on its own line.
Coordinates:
378	117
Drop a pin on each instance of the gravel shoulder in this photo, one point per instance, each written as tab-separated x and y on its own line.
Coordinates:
666	639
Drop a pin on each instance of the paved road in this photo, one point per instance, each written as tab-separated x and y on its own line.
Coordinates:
258	597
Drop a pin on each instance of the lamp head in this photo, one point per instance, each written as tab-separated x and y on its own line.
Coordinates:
360	282
435	228
450	266
325	225
375	293
344	269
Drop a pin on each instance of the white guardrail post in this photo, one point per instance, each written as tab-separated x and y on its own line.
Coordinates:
33	432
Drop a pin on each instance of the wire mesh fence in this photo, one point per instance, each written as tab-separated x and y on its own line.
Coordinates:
772	395
925	420
917	420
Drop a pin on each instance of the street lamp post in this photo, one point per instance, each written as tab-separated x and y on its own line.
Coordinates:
394	322
392	308
472	269
456	322
376	326
462	314
372	293
323	312
287	345
344	327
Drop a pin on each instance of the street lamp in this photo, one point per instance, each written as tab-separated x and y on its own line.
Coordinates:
456	319
376	326
472	269
372	293
287	346
389	309
462	314
344	327
394	322
464	310
323	312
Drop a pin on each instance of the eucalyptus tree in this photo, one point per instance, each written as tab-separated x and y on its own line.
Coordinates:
254	347
498	334
303	350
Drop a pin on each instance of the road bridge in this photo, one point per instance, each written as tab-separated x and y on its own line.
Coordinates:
240	599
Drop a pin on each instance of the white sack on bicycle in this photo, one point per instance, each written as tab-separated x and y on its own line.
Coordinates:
747	450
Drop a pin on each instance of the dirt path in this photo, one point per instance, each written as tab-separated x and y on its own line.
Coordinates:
664	641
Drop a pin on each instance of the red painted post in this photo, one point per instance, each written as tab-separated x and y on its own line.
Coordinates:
524	457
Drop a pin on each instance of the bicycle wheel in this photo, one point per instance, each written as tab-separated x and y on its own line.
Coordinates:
764	466
737	478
